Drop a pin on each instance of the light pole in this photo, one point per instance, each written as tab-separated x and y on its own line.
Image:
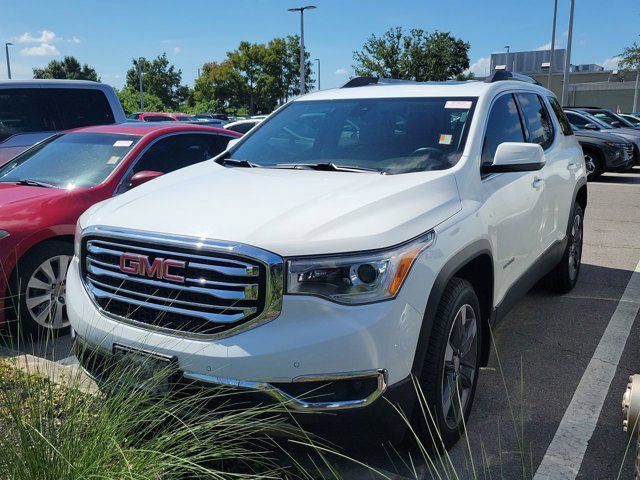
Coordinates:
567	59
318	60
140	80
506	63
302	62
635	93
6	51
553	42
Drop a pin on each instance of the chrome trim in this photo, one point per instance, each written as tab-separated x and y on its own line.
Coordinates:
298	403
274	278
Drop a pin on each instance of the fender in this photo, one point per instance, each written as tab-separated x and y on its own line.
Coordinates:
459	260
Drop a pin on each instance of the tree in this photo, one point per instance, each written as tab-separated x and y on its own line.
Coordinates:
130	100
159	78
631	61
69	68
416	56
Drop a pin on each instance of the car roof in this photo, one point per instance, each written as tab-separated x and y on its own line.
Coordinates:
423	89
141	129
50	83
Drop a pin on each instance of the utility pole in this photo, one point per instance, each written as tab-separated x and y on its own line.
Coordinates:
635	94
302	62
318	60
140	59
553	42
567	60
6	51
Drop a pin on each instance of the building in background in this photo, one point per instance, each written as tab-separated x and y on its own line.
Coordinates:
587	67
535	61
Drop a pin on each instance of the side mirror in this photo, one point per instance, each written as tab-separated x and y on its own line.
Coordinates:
232	142
591	126
616	124
516	157
143	177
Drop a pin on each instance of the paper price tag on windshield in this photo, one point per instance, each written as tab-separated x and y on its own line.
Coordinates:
113	159
123	143
461	104
445	139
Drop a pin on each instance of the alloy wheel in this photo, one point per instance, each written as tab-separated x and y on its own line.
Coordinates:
460	365
45	295
575	247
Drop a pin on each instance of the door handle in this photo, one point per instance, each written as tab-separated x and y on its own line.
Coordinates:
572	166
537	183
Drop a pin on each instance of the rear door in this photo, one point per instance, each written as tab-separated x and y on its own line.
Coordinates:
25	119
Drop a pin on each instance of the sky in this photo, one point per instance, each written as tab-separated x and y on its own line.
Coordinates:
108	34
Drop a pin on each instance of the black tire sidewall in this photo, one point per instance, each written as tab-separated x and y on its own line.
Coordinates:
458	293
27	265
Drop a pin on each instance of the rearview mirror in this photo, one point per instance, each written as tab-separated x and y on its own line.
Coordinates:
516	157
591	126
143	177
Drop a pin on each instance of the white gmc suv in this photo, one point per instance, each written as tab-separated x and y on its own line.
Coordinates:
356	239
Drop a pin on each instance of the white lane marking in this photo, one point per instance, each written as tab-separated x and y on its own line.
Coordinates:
566	451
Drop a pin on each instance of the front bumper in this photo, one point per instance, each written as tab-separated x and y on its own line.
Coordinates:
311	337
618	159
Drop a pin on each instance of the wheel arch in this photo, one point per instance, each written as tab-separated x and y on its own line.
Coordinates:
473	263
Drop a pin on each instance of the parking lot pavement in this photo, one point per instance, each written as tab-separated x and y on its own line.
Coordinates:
542	350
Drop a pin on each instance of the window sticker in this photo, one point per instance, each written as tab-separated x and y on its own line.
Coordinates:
445	139
113	160
462	104
123	143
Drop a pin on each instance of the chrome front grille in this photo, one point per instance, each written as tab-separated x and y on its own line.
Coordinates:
181	285
628	151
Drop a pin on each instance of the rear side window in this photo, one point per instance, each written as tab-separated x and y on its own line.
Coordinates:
537	121
80	107
503	125
242	127
23	110
158	118
565	126
577	121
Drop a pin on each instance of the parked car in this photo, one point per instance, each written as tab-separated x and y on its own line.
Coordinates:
357	237
242	126
32	110
612	119
632	119
44	190
584	120
605	152
161	117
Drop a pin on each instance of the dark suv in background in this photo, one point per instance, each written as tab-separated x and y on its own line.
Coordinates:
32	110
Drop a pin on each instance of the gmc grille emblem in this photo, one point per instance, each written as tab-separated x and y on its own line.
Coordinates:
135	264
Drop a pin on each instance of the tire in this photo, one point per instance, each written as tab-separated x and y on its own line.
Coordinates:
447	371
40	280
564	276
593	163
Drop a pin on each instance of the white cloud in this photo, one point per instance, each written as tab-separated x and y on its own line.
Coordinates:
341	71
46	36
75	39
480	67
176	50
42	50
612	62
546	46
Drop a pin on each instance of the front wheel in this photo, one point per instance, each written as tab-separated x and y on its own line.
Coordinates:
593	164
565	275
41	278
450	372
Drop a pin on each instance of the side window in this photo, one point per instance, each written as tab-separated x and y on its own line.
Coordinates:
503	125
79	107
565	126
158	118
179	151
536	119
577	121
23	110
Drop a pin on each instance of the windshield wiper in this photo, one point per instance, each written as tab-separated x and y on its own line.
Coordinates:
232	162
328	167
34	183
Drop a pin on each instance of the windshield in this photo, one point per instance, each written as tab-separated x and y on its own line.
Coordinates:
389	135
71	160
598	121
610	118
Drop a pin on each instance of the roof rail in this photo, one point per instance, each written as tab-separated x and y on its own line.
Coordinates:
360	82
500	75
364	81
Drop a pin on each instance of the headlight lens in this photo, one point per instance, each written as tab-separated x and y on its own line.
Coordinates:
3	233
615	144
358	278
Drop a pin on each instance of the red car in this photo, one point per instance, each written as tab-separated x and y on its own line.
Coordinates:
45	189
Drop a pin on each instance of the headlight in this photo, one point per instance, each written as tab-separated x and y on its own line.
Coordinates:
76	240
359	278
3	233
615	144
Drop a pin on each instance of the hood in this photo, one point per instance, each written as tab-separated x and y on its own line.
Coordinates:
598	135
289	212
12	195
631	134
